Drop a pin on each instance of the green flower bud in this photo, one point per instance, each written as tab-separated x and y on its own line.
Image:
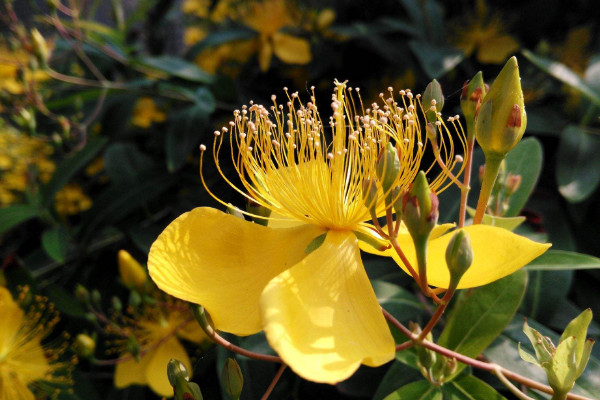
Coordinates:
133	275
179	378
82	293
116	303
459	256
232	379
204	320
433	100
473	92
501	120
397	201
232	210
388	167
85	345
420	208
134	347
257	209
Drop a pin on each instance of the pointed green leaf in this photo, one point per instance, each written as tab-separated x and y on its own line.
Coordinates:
556	260
420	390
481	315
177	67
528	357
17	214
525	160
561	371
509	223
578	329
54	242
563	74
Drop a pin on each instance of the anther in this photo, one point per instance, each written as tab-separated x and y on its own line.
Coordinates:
202	147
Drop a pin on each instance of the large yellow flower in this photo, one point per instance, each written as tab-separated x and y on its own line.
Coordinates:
23	359
318	310
301	278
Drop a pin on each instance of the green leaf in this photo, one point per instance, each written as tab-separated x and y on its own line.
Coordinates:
509	223
124	162
420	390
563	74
436	60
546	290
557	260
55	242
187	127
69	167
468	387
528	357
482	314
398	375
16	214
398	301
577	164
177	67
65	302
525	160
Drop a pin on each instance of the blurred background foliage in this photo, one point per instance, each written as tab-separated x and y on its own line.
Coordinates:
103	113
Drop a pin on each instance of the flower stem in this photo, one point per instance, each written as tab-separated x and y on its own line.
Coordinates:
513	389
464	191
274	382
438	314
492	166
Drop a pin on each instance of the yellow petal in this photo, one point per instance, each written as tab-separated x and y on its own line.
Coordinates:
131	372
156	371
223	262
497	50
322	316
265	53
497	253
291	49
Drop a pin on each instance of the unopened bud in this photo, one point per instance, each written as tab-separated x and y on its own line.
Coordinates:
116	303
40	48
82	293
261	211
133	347
133	275
85	345
204	320
512	184
470	100
135	299
459	256
450	366
179	378
431	132
388	167
232	379
501	120
433	97
420	208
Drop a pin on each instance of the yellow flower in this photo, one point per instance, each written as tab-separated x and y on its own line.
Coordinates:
317	308
20	155
10	63
71	200
199	8
484	34
158	333
24	361
146	112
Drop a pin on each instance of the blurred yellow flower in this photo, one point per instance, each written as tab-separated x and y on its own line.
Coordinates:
10	63
158	332
483	33
21	156
95	167
24	361
268	17
199	8
146	112
71	200
193	35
